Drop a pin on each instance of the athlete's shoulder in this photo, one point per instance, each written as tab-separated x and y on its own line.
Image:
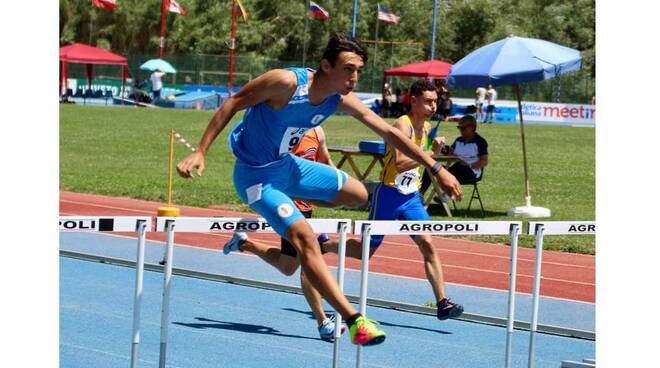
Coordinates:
279	78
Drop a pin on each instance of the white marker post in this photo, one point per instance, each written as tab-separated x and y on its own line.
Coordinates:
343	226
137	301
167	283
515	232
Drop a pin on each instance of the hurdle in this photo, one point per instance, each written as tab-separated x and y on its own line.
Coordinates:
172	225
540	229
119	224
446	228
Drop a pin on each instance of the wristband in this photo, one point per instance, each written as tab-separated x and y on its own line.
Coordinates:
435	169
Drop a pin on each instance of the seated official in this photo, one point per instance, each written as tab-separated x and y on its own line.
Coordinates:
472	151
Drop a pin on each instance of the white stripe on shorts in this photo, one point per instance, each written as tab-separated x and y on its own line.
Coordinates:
339	181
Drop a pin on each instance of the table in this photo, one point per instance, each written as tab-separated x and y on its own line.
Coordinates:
348	152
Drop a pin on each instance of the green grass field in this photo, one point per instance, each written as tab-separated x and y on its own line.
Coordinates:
124	152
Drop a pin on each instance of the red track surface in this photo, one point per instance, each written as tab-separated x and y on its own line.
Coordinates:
564	275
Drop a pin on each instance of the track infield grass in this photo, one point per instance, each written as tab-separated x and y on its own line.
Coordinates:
123	151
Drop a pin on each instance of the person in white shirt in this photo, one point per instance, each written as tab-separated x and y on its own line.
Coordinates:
480	97
157	83
491	96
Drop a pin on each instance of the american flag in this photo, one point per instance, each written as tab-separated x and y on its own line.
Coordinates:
386	15
316	11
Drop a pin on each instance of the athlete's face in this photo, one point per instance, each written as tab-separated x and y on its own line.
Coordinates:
344	75
425	104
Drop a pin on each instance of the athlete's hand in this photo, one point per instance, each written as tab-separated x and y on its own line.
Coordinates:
449	184
186	167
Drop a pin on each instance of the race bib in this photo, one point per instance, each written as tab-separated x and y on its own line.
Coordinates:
406	182
291	138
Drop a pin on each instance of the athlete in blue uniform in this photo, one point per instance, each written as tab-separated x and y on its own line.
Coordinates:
281	105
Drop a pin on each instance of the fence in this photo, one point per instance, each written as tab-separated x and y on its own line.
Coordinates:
214	70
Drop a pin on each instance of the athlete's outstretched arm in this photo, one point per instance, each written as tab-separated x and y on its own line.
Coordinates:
271	87
352	105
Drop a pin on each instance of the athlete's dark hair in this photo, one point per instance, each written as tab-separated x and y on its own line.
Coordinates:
420	86
339	42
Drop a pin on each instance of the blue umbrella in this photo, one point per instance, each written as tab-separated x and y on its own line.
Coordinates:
160	64
512	61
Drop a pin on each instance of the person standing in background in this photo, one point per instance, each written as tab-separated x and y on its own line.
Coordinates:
157	83
479	98
491	96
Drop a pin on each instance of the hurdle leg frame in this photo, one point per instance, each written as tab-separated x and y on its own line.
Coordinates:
167	283
515	231
366	241
535	296
340	280
137	301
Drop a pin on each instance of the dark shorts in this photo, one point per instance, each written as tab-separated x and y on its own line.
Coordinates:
490	108
287	247
463	174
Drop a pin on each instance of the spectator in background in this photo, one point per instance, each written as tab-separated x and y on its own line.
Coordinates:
472	150
396	111
405	100
387	100
479	99
444	105
491	96
157	83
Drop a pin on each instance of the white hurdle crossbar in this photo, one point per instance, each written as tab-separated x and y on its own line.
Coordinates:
540	229
119	224
446	228
230	225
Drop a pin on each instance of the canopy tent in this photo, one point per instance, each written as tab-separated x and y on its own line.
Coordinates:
85	54
426	69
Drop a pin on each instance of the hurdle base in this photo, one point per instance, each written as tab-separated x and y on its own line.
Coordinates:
529	211
169	211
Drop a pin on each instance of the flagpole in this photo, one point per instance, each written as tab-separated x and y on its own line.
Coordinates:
373	68
232	44
435	14
354	17
304	60
92	12
162	28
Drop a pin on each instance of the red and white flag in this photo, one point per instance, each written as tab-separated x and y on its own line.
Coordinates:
110	4
174	7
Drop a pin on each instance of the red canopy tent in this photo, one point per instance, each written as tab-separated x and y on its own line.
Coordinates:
85	54
426	69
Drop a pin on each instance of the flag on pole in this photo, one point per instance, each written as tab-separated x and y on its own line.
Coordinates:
174	7
240	9
316	11
110	4
386	15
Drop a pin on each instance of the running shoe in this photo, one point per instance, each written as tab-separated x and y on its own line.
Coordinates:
366	332
234	243
447	309
327	329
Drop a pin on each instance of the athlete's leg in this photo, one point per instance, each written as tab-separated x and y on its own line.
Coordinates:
302	237
313	298
432	265
272	255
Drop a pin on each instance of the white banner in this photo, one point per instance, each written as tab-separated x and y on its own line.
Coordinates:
559	113
96	223
563	228
227	224
437	227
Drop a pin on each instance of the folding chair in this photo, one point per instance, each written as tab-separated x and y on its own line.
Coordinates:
475	195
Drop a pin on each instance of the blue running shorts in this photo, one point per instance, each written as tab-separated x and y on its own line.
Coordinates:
388	204
268	189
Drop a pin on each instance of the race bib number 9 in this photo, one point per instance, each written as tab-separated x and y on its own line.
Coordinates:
406	182
291	138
